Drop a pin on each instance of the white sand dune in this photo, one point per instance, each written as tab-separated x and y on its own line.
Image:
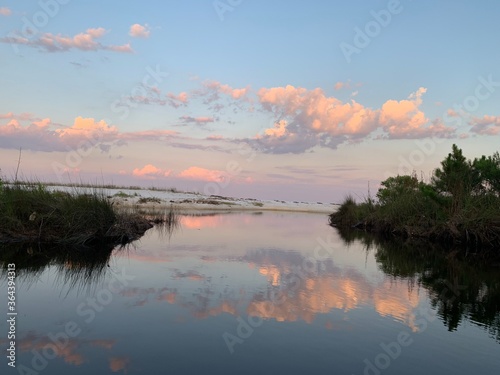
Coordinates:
150	199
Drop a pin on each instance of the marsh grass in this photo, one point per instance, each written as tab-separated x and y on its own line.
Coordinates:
111	186
166	219
29	212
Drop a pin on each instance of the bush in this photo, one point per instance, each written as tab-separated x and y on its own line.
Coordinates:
460	205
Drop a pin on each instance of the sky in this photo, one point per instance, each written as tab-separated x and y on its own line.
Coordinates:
288	100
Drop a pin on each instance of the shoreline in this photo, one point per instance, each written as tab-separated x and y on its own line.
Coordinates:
187	207
154	199
113	215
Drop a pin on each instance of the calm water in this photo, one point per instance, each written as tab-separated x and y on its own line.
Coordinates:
250	293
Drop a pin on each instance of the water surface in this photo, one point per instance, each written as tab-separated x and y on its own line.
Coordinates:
252	293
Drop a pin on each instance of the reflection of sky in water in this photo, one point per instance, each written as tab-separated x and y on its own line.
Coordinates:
190	288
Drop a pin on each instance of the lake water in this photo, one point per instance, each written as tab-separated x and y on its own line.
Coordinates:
252	293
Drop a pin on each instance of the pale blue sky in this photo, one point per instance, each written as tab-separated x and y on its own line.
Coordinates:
441	46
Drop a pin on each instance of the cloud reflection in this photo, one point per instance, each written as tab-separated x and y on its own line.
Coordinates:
287	291
117	364
294	294
71	351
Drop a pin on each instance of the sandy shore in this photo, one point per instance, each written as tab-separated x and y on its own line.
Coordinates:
189	202
153	199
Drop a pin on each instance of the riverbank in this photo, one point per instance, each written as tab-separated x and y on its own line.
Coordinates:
31	212
460	206
475	232
89	215
155	199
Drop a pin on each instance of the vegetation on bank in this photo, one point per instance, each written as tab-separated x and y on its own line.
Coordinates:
459	205
112	186
29	212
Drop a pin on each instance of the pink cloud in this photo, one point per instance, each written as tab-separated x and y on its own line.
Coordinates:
86	41
22	116
150	171
153	95
87	127
279	129
30	132
212	90
486	125
73	171
197	173
215	137
125	48
42	124
340	85
139	31
5	11
318	112
309	118
403	118
226	89
196	120
178	100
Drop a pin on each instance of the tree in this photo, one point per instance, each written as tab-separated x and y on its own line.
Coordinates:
394	187
487	170
456	177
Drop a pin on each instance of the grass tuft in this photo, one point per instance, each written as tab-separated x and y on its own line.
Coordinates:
29	212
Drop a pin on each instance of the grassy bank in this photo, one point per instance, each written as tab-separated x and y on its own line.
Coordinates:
459	206
29	212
